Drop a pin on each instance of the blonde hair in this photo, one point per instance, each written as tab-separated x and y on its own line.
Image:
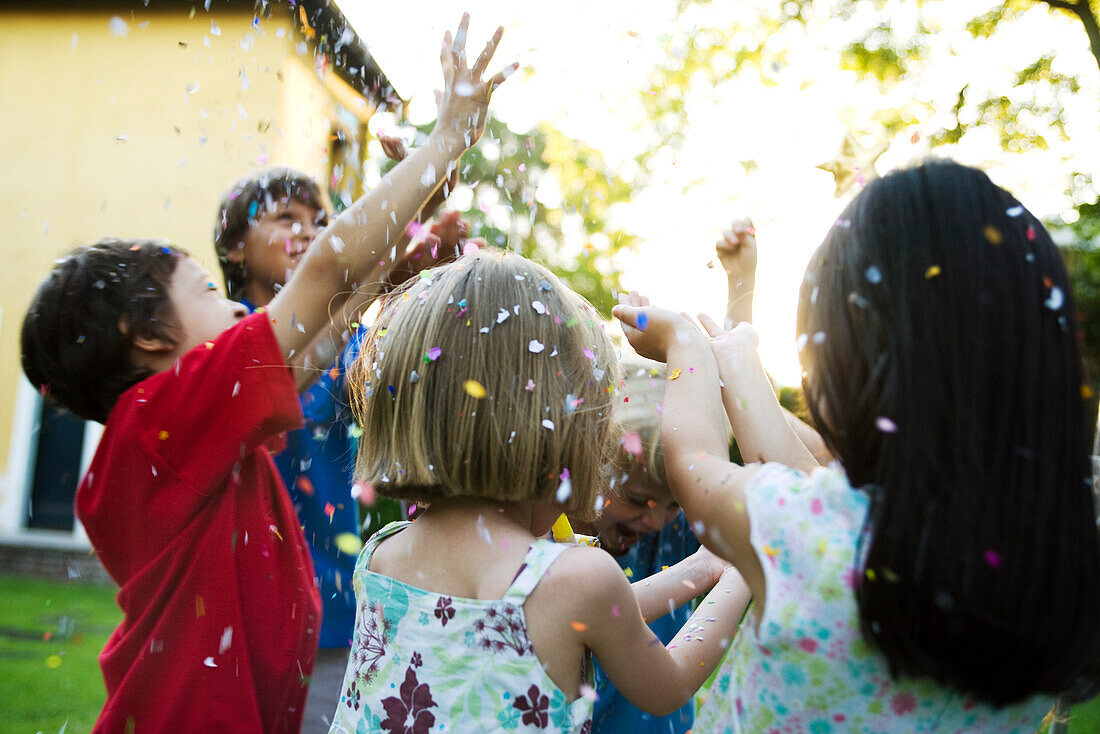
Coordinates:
639	411
488	378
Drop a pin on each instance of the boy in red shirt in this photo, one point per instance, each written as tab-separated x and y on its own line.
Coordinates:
182	500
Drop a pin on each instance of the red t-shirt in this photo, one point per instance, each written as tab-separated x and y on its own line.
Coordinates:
184	506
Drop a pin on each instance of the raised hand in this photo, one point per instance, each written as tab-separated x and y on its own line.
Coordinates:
464	101
737	251
652	330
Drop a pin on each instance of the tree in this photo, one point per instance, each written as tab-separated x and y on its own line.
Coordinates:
550	198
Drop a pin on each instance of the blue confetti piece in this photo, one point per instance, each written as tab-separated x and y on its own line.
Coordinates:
252	209
643	322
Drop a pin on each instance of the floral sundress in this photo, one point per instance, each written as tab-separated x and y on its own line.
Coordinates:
424	662
809	668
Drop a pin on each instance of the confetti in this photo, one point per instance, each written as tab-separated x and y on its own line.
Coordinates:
209	662
163	435
53	662
643	322
886	425
1014	211
304	485
530	386
1056	299
578	626
1086	392
348	543
588	693
993	235
873	275
502	315
474	389
675	374
565	488
535	346
992	559
433	354
547	423
118	27
414	376
632	444
932	272
539	306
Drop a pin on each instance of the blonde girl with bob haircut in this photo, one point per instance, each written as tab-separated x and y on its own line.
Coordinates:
486	390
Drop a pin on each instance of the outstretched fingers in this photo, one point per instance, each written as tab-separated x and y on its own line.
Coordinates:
482	62
459	47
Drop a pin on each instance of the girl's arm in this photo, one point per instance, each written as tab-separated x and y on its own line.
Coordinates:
596	607
738	254
360	244
676	585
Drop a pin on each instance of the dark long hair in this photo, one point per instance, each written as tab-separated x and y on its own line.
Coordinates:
940	347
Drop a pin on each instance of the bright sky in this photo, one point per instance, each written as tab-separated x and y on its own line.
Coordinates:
585	62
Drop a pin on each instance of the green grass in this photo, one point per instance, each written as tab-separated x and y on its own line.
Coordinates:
51	633
50	671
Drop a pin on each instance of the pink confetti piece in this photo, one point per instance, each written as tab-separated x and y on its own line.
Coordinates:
632	444
886	425
992	559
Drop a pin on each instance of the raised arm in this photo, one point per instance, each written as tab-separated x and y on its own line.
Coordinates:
361	244
737	252
593	598
678	584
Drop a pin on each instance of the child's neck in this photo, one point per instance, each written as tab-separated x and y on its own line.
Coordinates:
534	518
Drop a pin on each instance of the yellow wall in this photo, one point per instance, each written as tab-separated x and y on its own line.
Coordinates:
136	135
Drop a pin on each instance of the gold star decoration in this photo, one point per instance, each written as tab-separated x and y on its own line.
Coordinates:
854	163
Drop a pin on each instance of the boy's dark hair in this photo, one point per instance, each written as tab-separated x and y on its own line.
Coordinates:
245	201
943	370
78	330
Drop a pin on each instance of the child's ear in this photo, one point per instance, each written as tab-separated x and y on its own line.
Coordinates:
235	254
145	342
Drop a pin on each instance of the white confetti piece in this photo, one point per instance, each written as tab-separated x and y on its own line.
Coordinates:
226	641
548	424
1056	299
535	346
886	425
539	306
118	27
502	316
209	662
1015	211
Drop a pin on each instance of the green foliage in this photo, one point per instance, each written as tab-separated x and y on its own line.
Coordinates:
550	198
1082	259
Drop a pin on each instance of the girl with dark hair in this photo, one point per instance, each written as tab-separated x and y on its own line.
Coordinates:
944	575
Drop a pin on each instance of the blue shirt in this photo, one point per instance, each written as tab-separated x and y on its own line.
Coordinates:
613	713
317	467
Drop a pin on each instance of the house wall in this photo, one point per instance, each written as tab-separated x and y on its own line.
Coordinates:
132	135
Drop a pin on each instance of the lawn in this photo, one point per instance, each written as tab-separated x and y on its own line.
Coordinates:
51	633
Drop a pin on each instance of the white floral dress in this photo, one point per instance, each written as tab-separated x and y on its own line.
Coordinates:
809	668
424	662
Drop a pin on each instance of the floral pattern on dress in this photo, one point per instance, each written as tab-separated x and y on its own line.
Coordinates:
424	662
806	666
411	713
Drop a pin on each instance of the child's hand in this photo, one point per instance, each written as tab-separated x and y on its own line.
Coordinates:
715	566
651	331
731	347
452	230
737	251
464	101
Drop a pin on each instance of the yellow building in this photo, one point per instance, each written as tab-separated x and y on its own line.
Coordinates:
125	120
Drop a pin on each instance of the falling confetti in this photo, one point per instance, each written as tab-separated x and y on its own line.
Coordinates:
643	322
547	423
1056	299
348	543
873	275
535	346
932	272
992	559
1015	211
474	389
675	374
993	235
578	626
886	425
